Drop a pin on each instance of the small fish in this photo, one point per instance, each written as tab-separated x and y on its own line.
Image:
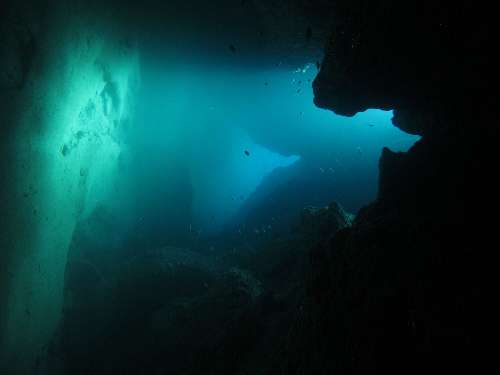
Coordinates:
358	150
299	82
256	231
331	170
232	48
322	170
371	125
247	153
266	84
318	65
298	91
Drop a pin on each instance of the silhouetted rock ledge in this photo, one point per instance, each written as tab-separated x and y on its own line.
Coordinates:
397	292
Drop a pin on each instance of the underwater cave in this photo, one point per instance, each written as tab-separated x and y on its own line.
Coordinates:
241	186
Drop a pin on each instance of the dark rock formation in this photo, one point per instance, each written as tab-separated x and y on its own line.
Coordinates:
171	312
126	310
398	292
275	205
18	47
423	59
320	222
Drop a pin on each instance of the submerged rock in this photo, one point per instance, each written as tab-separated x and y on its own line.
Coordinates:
242	282
321	221
398	291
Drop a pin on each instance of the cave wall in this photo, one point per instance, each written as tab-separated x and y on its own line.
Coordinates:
400	291
67	94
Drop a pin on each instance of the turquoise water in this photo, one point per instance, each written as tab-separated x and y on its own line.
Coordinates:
207	136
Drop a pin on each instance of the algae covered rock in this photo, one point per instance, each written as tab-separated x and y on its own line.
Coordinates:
322	221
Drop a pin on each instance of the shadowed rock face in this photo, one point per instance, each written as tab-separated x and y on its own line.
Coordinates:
423	59
398	292
321	221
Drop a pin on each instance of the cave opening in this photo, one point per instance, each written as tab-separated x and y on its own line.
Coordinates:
177	202
217	145
223	178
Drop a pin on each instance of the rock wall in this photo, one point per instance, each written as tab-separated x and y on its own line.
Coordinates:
399	291
67	98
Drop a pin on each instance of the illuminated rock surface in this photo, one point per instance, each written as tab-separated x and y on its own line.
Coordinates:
71	109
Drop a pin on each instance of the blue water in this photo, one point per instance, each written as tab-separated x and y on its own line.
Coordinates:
207	136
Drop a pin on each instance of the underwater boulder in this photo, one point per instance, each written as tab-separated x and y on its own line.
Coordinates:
240	282
321	221
138	305
195	334
155	277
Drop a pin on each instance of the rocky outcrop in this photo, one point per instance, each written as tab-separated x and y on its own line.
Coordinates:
426	60
318	222
168	311
398	291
